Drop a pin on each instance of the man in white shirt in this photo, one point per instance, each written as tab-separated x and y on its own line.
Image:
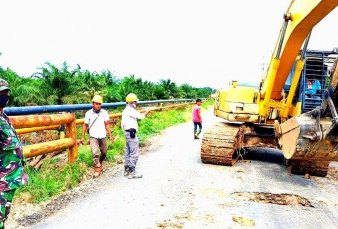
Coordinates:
97	122
129	126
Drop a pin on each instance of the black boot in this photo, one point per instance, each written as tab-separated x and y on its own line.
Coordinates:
126	170
132	174
196	135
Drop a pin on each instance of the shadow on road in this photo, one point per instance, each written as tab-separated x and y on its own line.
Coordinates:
264	154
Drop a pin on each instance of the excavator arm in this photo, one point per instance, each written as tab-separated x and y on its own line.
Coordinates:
299	20
310	140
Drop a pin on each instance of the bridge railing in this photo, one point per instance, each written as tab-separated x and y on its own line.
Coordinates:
25	120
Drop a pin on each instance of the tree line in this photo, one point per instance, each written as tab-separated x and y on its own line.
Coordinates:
56	86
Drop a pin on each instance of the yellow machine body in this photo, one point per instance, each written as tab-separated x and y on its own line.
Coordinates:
270	114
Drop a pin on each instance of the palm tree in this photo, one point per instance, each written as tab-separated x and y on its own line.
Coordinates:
18	96
188	91
170	88
28	93
59	86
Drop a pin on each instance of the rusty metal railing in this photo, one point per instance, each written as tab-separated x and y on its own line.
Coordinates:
68	140
46	122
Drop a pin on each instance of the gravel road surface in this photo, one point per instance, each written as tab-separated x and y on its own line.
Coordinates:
178	191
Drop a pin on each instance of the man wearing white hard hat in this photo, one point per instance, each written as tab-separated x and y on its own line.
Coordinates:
97	123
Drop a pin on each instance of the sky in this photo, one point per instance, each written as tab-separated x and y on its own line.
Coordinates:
204	43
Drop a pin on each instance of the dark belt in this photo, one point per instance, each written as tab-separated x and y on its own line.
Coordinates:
127	130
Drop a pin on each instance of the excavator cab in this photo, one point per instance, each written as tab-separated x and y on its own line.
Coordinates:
316	69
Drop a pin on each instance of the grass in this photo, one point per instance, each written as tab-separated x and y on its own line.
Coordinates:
56	175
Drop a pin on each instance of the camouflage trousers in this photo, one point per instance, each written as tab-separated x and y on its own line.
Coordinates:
6	198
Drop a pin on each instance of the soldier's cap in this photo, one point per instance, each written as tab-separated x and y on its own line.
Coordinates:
4	85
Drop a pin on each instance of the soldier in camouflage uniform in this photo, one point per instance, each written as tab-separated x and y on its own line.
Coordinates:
12	173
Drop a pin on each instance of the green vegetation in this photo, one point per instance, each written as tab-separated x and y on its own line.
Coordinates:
53	86
56	175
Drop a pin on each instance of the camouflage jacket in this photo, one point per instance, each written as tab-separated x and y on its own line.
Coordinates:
12	173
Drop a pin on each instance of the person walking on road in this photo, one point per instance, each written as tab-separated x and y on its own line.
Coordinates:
13	174
129	126
97	123
196	118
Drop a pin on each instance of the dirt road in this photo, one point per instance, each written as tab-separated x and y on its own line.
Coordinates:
178	191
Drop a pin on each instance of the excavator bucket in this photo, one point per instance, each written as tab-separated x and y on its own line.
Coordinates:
309	143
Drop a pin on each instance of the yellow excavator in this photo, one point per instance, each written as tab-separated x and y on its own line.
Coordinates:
284	111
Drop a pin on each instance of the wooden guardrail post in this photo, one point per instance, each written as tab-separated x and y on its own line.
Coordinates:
71	133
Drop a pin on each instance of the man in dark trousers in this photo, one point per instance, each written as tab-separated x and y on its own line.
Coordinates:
12	172
129	126
196	118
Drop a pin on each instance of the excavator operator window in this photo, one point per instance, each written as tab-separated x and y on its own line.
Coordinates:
313	87
314	75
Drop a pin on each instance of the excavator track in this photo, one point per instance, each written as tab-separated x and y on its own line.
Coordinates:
219	144
313	168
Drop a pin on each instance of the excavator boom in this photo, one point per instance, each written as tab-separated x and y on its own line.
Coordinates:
299	20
